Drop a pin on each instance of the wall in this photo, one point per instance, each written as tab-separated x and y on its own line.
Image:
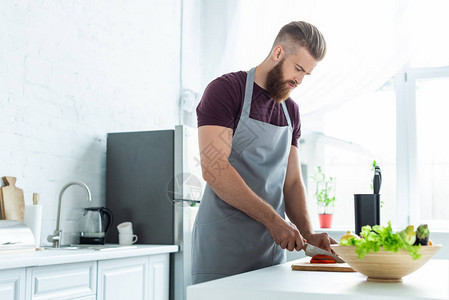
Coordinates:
206	28
71	71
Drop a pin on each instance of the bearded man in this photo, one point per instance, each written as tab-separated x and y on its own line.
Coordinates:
248	136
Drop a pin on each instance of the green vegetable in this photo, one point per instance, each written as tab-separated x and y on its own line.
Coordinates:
408	235
422	235
377	236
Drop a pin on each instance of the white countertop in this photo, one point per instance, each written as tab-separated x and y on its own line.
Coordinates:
54	256
280	282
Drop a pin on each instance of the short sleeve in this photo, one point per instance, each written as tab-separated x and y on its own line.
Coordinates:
218	105
296	132
293	111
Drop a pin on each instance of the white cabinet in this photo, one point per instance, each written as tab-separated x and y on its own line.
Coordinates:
65	281
123	279
133	278
146	277
12	284
159	277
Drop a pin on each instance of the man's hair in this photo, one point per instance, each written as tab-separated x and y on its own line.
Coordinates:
301	34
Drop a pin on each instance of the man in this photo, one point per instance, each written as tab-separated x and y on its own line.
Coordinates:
248	137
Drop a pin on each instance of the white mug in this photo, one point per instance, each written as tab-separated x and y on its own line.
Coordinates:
127	238
125	227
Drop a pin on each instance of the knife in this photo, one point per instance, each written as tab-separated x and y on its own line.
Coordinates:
377	180
312	250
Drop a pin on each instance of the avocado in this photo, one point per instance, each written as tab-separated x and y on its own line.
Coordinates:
422	235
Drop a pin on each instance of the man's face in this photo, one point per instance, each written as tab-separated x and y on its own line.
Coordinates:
288	73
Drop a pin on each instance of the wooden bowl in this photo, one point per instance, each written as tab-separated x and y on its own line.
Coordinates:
385	266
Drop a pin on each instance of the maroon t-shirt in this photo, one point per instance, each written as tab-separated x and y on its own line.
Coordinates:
222	104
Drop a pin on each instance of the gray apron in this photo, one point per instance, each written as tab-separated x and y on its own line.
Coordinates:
226	241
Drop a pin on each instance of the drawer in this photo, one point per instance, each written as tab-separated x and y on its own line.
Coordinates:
65	281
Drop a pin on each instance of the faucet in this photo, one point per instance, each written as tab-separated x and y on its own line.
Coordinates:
57	234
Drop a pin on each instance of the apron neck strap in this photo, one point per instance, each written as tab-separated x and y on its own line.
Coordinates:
287	116
248	92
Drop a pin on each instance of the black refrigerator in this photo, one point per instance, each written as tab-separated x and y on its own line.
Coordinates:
153	179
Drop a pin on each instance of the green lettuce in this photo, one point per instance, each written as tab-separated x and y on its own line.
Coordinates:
378	236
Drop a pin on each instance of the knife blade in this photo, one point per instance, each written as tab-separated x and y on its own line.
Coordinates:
312	250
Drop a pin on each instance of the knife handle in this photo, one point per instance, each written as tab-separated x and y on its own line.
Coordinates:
377	180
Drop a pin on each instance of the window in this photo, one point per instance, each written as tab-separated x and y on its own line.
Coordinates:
402	126
353	136
432	97
422	98
410	112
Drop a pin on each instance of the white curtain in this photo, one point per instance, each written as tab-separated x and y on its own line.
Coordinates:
364	45
367	44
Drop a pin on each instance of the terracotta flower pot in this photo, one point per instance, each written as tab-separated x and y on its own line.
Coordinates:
325	220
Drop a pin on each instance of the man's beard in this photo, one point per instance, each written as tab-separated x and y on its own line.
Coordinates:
277	88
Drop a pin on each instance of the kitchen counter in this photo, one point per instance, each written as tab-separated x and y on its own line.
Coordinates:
279	282
58	256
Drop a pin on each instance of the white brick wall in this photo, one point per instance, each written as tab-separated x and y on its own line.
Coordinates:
71	71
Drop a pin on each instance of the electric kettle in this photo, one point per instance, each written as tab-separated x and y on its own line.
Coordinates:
92	228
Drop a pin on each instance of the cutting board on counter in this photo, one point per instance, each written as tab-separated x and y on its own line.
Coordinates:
11	200
305	265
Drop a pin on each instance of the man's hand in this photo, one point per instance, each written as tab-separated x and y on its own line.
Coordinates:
321	240
285	234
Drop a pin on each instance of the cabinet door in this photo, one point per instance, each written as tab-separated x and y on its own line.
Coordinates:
159	277
66	281
123	279
12	284
94	297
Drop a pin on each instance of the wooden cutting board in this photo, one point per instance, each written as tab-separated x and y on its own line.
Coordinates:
11	200
305	265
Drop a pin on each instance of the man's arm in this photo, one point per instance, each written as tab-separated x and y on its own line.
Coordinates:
296	205
215	144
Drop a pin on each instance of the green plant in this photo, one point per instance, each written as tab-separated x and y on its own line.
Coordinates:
325	188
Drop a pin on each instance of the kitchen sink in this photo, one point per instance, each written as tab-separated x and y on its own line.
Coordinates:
107	247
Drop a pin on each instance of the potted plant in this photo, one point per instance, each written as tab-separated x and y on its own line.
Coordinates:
325	197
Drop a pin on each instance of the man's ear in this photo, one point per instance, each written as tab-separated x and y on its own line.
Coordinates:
277	53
